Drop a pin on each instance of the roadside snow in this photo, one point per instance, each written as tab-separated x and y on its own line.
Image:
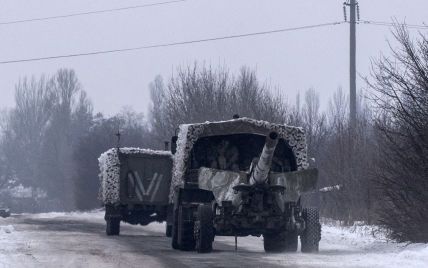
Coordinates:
88	215
6	229
356	246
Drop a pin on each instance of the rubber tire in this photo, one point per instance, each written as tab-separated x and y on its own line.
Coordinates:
204	229
186	240
168	230
174	236
113	226
274	242
291	242
312	234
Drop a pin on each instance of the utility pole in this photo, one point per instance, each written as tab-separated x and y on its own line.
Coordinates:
353	17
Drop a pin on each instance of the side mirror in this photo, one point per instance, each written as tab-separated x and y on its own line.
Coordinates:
174	144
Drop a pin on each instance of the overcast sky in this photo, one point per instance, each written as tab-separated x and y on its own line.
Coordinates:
291	61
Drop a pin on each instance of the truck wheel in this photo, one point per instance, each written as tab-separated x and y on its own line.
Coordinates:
113	226
204	229
274	242
186	240
168	230
291	241
312	234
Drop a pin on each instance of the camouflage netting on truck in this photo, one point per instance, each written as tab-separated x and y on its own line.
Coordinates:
109	175
190	133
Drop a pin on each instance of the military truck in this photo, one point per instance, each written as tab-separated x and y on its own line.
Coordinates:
242	177
135	184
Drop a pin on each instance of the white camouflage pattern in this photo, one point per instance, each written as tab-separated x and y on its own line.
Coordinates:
189	134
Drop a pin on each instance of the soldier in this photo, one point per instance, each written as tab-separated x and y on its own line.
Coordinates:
227	157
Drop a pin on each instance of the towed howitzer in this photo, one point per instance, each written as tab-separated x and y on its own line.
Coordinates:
223	189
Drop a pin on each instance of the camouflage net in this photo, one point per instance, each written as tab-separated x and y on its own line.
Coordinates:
109	175
189	134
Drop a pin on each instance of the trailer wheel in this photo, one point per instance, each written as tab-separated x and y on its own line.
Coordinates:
174	238
274	242
204	229
168	230
312	234
113	226
291	241
186	240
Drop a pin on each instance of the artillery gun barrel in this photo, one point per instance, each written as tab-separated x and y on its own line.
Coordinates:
261	170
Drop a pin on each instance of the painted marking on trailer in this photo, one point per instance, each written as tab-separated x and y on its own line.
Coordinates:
155	191
133	186
140	190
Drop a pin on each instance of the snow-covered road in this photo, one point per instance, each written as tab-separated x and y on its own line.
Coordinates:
78	240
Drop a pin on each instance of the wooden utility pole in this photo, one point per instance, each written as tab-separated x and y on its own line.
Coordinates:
352	64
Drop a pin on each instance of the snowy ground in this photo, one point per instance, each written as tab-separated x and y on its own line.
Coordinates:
78	240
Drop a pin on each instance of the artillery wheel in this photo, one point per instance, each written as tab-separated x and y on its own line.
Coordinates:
113	226
274	242
291	241
204	229
185	238
312	234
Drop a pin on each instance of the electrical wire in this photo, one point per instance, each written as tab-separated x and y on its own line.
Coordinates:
90	12
392	24
174	43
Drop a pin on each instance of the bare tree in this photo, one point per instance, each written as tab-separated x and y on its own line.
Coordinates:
314	122
40	132
57	163
345	159
99	138
399	87
157	112
26	125
198	94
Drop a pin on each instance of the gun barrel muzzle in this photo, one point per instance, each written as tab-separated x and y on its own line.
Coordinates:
261	171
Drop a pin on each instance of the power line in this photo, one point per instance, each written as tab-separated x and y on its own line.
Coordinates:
90	12
392	24
174	43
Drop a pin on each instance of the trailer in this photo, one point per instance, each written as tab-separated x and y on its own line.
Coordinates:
134	186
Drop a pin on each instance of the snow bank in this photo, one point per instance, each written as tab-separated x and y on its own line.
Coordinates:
109	175
368	246
75	214
6	229
415	253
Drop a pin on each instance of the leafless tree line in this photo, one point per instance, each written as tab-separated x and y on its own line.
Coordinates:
199	94
50	142
40	131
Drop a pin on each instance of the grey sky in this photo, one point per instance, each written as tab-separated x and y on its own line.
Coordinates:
292	61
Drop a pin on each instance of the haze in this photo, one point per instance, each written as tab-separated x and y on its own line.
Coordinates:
291	61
